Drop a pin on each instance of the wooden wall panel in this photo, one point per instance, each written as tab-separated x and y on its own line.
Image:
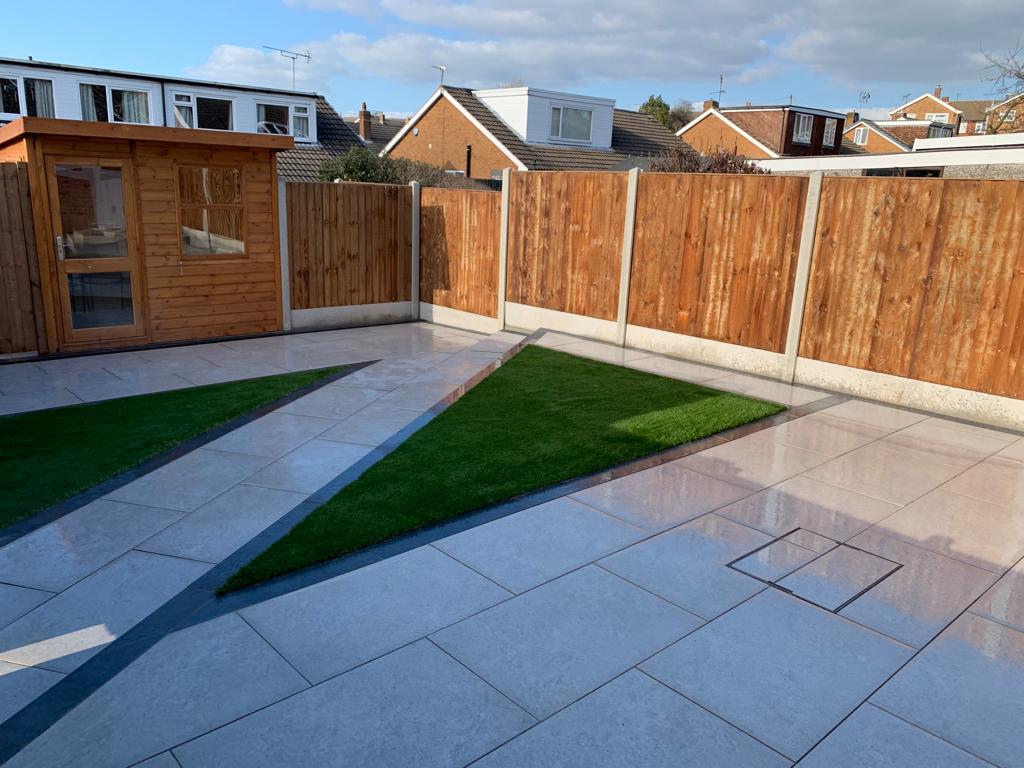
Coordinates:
714	256
921	278
565	241
459	246
21	321
348	243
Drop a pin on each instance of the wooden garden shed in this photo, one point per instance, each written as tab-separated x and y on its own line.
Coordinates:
142	234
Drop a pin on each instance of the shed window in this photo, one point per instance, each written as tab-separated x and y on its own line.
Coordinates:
571	124
9	102
802	128
860	136
211	211
830	132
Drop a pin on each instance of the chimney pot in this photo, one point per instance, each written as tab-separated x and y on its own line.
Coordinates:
382	120
938	91
710	104
364	123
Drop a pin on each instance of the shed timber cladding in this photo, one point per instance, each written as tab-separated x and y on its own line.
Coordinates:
714	256
348	243
922	278
21	320
565	241
459	244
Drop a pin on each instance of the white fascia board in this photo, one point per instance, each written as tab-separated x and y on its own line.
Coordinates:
936	159
931	96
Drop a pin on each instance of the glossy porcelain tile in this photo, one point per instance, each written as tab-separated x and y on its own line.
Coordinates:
774	391
951	438
676	369
979	533
237	372
372	425
272	435
70	380
17	601
807	539
1004	602
1014	451
549	646
633	721
661	497
885	416
916	602
523	550
894	474
57	555
338	624
414	707
107	391
37	401
802	502
309	466
996	480
965	688
163	760
780	669
824	434
872	738
753	462
607	353
778	559
20	686
687	565
332	402
837	576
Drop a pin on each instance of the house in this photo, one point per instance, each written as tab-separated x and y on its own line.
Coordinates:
888	136
48	90
758	132
374	130
1007	116
479	132
968	117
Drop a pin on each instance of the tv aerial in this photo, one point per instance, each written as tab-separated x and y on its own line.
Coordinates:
293	55
865	97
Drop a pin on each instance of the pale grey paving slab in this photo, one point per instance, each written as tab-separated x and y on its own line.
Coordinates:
977	532
37	401
687	565
802	502
775	391
57	555
526	549
778	559
372	425
661	497
272	435
676	369
221	526
780	669
808	539
916	602
187	483
633	721
606	353
74	626
414	707
69	380
163	760
20	686
236	372
335	625
884	416
18	374
107	391
548	647
824	434
872	738
896	474
309	466
837	576
1013	452
997	480
332	402
554	339
189	683
17	601
389	374
418	396
951	438
752	462
1004	602
65	365
965	688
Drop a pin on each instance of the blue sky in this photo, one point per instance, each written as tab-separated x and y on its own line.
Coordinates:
823	53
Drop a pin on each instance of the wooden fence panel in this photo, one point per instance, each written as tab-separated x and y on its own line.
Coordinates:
21	321
348	243
920	278
714	256
565	241
459	248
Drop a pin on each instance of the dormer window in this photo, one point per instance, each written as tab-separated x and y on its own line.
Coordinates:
571	124
802	128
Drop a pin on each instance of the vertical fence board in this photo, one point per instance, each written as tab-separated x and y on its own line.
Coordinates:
21	321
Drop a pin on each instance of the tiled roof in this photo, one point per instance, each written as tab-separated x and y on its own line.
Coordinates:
634	135
975	110
334	138
380	133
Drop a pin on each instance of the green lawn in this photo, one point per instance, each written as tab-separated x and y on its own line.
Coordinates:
543	418
50	455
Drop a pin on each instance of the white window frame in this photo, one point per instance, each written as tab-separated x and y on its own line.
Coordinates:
194	97
860	133
561	112
980	126
829	137
937	117
802	119
189	101
292	114
110	100
19	81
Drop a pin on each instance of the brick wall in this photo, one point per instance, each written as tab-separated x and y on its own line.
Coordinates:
712	134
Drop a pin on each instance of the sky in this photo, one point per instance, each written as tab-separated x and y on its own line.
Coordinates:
866	55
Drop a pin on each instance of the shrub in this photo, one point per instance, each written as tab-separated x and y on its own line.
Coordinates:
361	164
684	159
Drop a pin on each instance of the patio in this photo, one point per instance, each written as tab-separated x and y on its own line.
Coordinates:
844	588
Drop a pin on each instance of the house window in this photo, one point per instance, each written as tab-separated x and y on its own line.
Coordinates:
802	128
571	124
184	111
1011	115
860	136
94	102
936	132
962	128
937	117
103	104
830	133
9	102
39	97
211	211
300	122
272	118
213	114
980	127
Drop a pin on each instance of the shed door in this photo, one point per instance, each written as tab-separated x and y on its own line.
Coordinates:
98	276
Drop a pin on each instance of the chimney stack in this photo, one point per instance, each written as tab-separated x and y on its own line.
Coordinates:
364	123
938	91
851	119
382	120
710	104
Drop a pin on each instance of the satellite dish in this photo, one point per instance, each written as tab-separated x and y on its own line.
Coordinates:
865	97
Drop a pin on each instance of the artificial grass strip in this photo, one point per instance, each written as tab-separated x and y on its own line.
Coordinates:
542	418
48	456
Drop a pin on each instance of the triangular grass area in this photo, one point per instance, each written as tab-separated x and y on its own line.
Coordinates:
542	418
48	456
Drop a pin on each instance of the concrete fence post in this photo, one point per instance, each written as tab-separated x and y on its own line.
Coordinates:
506	181
803	274
626	266
414	293
286	274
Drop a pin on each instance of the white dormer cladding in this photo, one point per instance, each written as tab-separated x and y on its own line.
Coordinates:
535	115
